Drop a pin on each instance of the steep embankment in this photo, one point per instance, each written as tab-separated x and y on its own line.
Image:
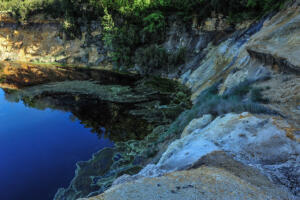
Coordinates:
43	40
233	156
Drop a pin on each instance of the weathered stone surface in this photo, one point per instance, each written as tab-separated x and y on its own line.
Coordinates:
42	40
192	149
268	53
263	142
278	43
196	124
219	61
247	54
202	183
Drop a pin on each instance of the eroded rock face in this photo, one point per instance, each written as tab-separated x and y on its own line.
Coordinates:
270	58
219	60
42	40
278	43
257	53
262	142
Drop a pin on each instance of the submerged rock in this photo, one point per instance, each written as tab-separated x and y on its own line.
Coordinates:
82	183
112	93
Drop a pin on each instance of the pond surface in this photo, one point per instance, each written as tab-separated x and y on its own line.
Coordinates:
39	150
52	117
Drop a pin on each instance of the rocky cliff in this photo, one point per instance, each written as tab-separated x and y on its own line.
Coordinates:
43	40
225	155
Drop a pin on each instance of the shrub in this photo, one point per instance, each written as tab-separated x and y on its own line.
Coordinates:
235	100
155	22
124	42
257	96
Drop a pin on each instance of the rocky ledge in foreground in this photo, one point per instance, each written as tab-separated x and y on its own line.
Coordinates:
215	157
206	182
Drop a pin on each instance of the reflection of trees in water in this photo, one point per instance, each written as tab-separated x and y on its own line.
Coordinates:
109	120
149	102
112	121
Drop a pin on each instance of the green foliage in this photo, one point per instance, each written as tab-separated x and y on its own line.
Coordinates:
256	95
150	10
124	41
132	24
154	22
235	100
109	28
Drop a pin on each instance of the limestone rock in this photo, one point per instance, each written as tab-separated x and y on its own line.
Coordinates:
41	40
197	124
262	142
270	57
183	153
278	43
202	183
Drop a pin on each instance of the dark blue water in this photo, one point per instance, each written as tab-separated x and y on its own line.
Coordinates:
39	149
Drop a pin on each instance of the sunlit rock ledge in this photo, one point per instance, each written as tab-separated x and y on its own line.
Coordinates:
217	158
42	40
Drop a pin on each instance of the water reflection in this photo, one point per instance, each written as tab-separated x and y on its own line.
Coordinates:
106	119
70	102
39	149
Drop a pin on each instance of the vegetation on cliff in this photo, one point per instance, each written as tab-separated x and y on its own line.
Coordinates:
130	25
135	8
